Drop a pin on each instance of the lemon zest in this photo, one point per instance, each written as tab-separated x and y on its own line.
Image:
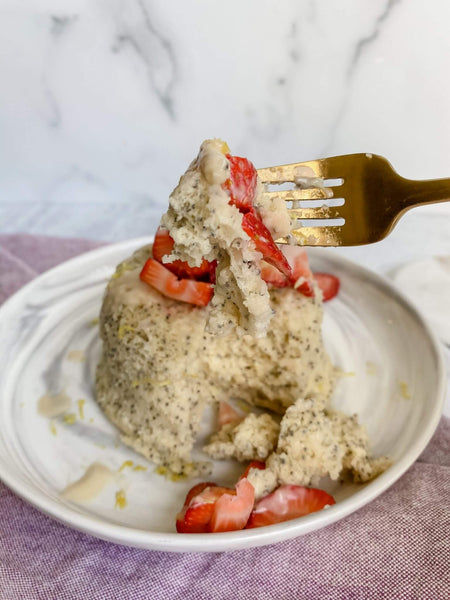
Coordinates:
243	406
121	269
404	391
371	368
123	329
81	404
121	500
341	373
125	464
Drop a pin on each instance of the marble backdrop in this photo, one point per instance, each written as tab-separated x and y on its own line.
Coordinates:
103	103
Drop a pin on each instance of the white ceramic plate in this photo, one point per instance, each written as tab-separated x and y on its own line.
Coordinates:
395	382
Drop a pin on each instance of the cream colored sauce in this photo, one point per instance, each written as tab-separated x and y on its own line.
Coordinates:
76	356
212	163
53	405
85	489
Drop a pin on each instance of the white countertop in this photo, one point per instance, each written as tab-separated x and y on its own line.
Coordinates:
103	104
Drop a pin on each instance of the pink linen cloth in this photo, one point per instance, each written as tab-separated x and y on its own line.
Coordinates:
396	547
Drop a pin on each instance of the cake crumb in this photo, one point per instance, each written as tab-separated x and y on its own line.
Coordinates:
76	356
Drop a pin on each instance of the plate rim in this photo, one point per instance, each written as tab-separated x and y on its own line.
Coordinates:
173	542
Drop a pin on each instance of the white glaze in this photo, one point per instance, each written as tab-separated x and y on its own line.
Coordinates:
89	485
53	405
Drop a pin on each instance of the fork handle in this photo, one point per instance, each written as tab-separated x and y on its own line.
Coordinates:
429	191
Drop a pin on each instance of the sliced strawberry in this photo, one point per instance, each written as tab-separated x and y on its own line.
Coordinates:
197	490
242	183
329	284
163	246
186	290
195	519
198	507
272	276
298	261
258	232
231	511
227	414
288	502
255	464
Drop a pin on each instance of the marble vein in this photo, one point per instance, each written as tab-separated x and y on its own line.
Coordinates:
75	172
366	41
268	122
360	49
54	117
59	24
156	52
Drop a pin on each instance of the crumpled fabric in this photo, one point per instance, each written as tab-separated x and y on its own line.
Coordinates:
396	547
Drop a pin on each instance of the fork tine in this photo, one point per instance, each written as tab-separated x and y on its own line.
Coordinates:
302	194
334	167
315	236
291	172
321	212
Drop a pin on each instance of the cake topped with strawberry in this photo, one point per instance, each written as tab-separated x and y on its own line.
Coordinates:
215	311
215	219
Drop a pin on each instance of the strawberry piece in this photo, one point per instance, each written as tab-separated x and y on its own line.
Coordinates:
186	290
258	232
272	276
231	511
195	519
298	261
163	246
196	491
227	414
210	508
255	464
329	284
288	502
242	183
198	507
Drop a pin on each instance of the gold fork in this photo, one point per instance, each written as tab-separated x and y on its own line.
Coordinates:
371	194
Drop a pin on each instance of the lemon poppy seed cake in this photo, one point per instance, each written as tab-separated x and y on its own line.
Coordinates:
159	365
215	311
